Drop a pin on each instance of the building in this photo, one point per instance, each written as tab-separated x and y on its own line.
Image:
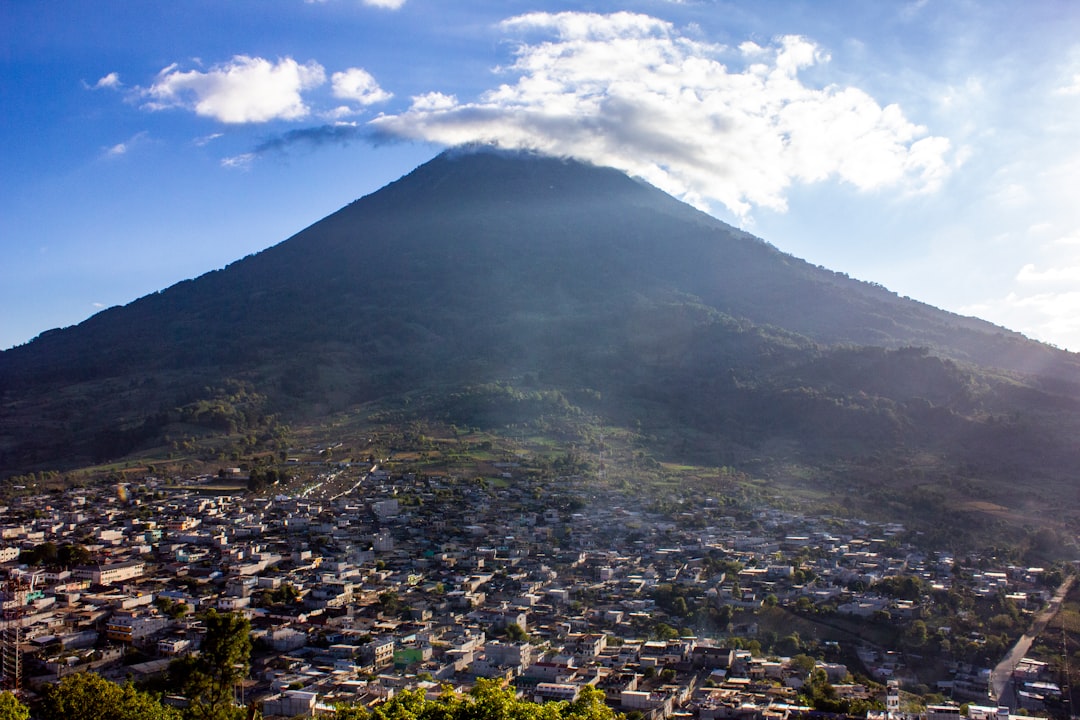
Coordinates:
113	573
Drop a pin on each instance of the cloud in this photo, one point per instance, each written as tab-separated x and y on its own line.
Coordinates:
358	85
110	81
207	139
244	90
631	91
1062	275
123	148
336	134
1071	87
340	133
1070	240
1048	316
239	162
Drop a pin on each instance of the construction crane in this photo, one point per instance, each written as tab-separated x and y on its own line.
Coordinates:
15	594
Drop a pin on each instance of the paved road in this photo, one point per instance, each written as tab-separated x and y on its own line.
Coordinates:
999	679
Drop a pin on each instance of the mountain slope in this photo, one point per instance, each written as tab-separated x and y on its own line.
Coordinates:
484	267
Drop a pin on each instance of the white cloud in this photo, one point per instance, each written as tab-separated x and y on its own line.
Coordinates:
244	90
338	113
123	148
207	139
1047	316
112	81
358	85
1062	275
434	101
1070	240
1012	195
1071	87
962	97
631	91
239	162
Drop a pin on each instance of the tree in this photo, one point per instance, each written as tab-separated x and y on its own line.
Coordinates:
390	603
803	663
43	554
917	633
488	700
70	555
210	678
86	696
11	708
174	610
663	631
679	606
789	645
345	711
516	633
589	706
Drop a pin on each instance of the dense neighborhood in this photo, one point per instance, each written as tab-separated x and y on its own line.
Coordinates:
366	582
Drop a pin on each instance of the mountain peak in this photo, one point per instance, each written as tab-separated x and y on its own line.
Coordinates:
481	173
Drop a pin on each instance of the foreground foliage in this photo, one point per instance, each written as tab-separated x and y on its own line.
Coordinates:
86	696
488	700
11	708
209	679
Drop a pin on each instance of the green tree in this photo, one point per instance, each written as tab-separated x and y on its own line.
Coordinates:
70	555
589	706
516	633
43	554
789	645
174	610
917	633
803	663
390	602
86	696
488	700
663	631
11	708
210	678
346	711
679	606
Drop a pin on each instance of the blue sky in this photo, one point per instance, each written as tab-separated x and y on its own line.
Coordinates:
931	146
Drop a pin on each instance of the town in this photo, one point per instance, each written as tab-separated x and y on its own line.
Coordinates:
361	581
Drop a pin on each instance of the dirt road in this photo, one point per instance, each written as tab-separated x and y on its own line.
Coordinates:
1001	688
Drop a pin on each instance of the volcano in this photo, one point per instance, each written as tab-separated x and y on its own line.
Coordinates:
504	286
